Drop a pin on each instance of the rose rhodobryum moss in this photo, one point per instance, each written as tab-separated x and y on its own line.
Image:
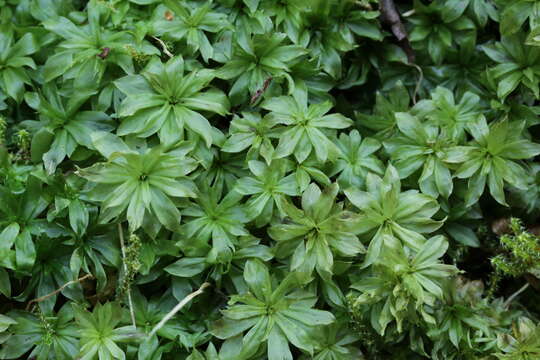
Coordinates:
264	179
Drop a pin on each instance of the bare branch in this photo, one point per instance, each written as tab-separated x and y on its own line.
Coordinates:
390	16
261	91
177	308
45	297
514	295
163	46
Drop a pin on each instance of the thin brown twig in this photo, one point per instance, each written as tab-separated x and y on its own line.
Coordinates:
177	308
507	303
163	46
261	91
104	53
45	297
391	17
418	83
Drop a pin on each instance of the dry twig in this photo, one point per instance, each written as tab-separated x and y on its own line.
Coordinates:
45	297
177	308
390	16
261	91
514	295
163	46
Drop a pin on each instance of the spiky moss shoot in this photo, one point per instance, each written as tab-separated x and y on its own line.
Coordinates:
132	261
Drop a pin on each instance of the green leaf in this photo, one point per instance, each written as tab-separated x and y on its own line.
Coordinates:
57	65
514	16
8	236
196	122
443	179
78	217
258	279
312	317
463	234
165	210
295	333
136	208
25	251
278	346
508	84
5	289
476	187
226	328
186	267
432	250
521	149
107	144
